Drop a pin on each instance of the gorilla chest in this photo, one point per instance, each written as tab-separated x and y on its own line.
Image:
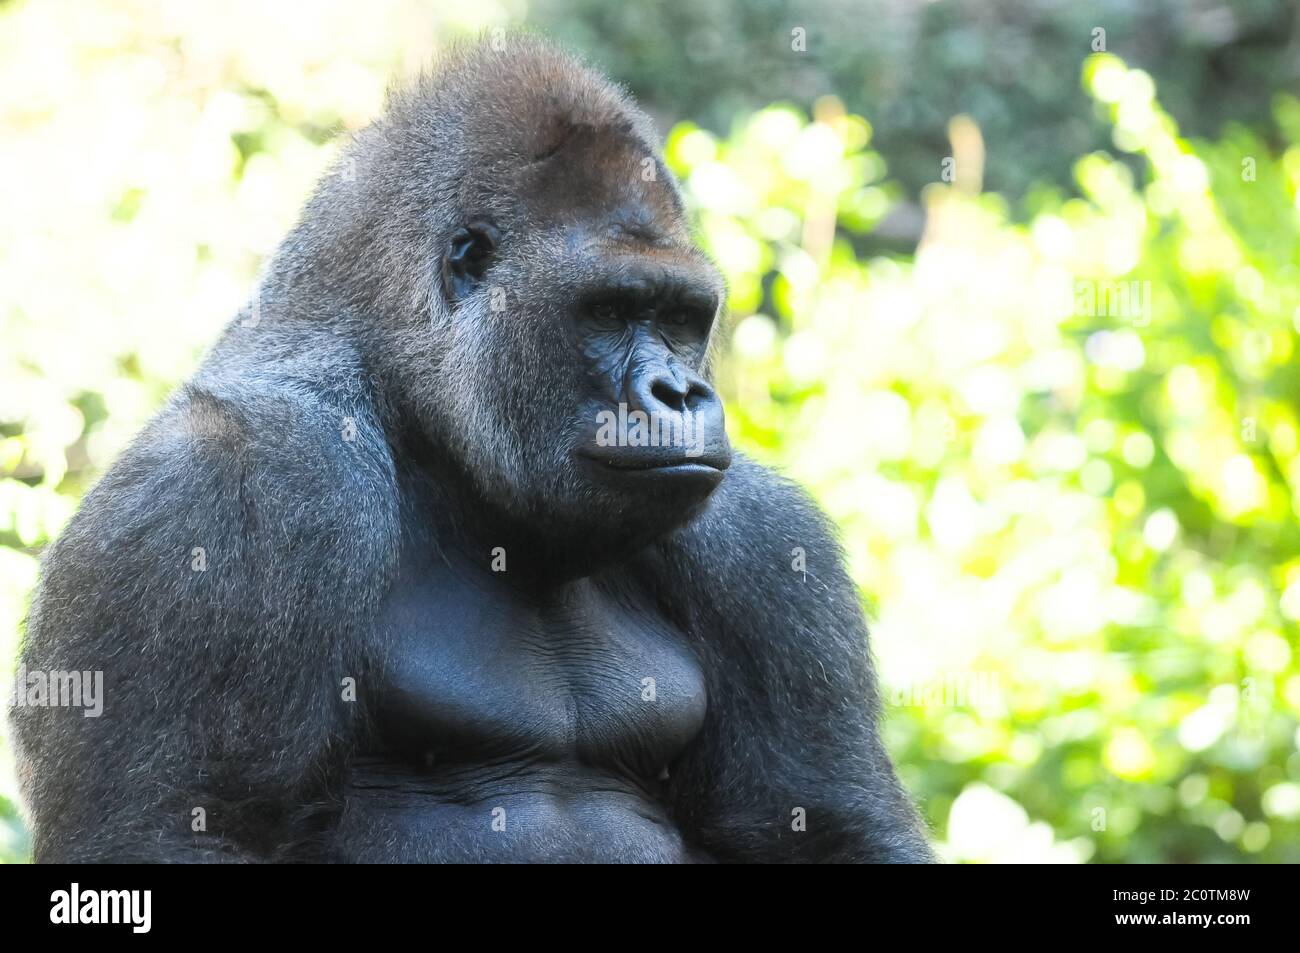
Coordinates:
473	673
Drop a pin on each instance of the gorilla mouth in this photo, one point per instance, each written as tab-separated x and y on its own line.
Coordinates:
708	468
689	463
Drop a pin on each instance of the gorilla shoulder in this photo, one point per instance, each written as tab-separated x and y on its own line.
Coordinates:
219	576
762	565
279	465
760	522
758	583
244	502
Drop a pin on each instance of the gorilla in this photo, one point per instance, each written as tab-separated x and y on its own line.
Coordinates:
442	554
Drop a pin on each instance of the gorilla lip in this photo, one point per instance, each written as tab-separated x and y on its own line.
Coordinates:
705	473
641	464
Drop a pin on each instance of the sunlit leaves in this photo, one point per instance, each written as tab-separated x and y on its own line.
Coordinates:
1063	451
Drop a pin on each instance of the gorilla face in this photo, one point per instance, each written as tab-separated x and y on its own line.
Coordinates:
582	317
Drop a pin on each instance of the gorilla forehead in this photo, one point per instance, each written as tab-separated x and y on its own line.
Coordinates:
517	117
522	97
609	177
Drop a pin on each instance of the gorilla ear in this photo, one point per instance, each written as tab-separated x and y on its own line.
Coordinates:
468	255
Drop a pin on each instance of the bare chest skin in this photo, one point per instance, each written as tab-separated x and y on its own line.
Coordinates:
518	727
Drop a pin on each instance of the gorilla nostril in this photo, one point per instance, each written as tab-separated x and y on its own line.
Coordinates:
699	393
671	393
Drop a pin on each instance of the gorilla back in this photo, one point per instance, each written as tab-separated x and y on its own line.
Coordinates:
443	554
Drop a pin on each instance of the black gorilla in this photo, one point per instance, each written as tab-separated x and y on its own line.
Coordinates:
407	573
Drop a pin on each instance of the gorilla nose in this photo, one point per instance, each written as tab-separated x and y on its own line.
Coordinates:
669	390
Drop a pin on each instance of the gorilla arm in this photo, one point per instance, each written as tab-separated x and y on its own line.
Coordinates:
792	724
217	576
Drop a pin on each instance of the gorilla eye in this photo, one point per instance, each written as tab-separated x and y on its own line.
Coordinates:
679	319
606	315
469	253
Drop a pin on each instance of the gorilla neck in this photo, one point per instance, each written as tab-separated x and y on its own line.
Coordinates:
538	553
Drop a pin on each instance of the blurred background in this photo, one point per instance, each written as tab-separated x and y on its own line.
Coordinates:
1015	290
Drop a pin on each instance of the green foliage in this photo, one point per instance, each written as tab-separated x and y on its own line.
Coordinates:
1070	499
1064	457
911	66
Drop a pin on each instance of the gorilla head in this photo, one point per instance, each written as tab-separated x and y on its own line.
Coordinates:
545	309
